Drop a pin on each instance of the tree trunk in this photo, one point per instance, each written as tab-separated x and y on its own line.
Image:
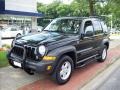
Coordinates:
91	7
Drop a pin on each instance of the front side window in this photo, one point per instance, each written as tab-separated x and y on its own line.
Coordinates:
70	26
97	27
88	29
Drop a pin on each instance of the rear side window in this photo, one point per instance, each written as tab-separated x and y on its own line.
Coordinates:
104	26
97	27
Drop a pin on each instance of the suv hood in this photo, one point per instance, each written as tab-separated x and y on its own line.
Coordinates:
44	37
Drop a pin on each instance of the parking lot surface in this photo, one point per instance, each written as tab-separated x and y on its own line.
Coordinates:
112	82
13	79
79	78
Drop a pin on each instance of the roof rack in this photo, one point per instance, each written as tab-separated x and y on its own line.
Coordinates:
99	17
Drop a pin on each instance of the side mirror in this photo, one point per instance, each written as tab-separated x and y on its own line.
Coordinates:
18	36
82	36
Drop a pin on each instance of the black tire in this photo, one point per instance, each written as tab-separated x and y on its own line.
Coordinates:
29	71
103	51
56	74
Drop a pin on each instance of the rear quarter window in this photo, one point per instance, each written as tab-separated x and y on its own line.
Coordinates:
104	26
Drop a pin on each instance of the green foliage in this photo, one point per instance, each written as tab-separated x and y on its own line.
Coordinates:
63	10
3	59
81	8
58	9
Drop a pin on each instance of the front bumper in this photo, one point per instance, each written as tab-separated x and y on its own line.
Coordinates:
36	66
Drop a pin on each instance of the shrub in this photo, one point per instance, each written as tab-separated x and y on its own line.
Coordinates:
3	59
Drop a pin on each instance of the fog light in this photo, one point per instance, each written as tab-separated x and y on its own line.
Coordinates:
49	58
49	67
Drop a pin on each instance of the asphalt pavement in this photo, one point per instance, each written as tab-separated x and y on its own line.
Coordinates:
11	79
81	76
107	79
112	82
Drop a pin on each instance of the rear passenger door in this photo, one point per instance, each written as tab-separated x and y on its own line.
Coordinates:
98	37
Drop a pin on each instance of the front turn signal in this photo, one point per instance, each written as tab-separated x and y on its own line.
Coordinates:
49	58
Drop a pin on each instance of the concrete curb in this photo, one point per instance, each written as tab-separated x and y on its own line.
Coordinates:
100	78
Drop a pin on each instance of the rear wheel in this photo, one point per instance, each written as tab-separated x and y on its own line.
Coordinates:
103	54
63	70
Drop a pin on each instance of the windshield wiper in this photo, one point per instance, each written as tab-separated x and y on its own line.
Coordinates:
59	31
50	30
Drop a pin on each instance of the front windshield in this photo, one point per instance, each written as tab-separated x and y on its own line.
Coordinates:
70	26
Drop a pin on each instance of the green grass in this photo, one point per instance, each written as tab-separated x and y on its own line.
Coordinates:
3	59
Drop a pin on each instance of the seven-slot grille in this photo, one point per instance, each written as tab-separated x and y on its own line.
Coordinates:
27	50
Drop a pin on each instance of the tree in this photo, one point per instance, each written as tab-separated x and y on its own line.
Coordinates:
83	8
79	8
91	7
63	10
58	9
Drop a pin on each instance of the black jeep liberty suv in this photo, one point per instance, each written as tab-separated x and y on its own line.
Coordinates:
65	44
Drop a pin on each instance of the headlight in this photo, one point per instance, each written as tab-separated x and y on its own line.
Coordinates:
42	50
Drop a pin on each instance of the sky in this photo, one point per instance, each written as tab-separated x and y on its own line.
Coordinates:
50	1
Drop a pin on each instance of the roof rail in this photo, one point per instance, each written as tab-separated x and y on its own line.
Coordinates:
99	17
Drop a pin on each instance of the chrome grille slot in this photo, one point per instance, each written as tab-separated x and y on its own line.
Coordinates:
18	51
30	53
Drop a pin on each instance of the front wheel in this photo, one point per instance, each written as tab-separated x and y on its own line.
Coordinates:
103	54
63	70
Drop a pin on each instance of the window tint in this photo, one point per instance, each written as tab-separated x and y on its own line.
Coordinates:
104	26
70	26
88	28
97	27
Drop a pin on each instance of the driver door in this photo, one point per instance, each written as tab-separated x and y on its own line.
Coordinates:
87	42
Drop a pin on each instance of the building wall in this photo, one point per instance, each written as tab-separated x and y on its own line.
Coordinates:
34	22
29	6
21	5
2	5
